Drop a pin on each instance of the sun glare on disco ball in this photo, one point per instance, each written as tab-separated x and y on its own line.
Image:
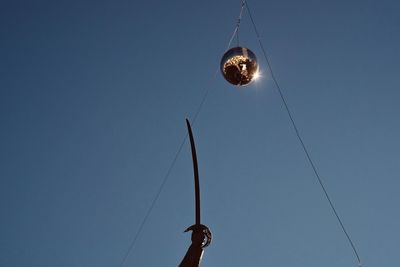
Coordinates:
239	66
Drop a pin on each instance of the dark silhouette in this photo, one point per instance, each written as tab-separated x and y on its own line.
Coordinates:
201	235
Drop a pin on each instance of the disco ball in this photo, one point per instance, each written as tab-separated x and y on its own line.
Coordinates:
239	66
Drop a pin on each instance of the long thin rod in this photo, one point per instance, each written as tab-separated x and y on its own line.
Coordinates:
195	173
301	139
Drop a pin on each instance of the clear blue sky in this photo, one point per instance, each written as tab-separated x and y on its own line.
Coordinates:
93	97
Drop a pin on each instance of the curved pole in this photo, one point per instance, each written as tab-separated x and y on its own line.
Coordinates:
201	235
195	172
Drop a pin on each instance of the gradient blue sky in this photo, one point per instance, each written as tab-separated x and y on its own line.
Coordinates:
93	97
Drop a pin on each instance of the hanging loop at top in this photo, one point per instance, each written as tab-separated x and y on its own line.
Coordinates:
238	21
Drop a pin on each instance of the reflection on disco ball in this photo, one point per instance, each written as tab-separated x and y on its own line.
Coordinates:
239	66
